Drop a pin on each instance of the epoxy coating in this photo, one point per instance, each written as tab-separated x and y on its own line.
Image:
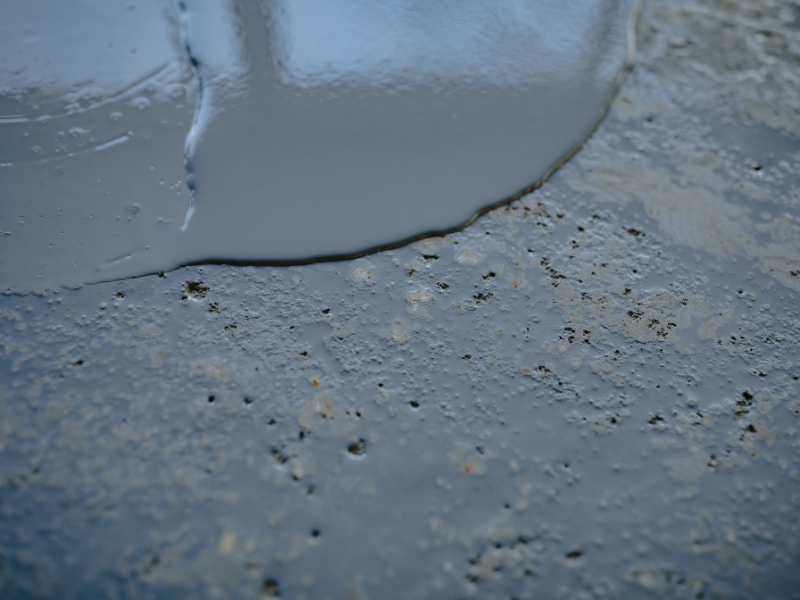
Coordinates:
363	126
318	129
96	100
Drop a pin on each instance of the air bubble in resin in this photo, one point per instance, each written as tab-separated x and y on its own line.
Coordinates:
284	131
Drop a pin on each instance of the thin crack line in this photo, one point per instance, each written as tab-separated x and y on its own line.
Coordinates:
199	111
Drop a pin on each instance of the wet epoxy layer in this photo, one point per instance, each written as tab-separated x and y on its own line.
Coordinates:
96	99
318	129
359	126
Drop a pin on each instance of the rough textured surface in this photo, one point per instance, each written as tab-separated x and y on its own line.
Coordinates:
592	393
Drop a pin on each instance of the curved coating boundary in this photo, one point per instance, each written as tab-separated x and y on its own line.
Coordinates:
633	18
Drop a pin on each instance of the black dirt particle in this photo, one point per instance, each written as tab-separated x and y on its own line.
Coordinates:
194	290
315	533
270	588
656	419
119	295
77	363
279	457
248	400
213	308
271	422
467	356
211	399
414	404
358	448
325	311
574	555
442	286
480	298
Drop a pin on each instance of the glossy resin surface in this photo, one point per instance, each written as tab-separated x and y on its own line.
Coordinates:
140	138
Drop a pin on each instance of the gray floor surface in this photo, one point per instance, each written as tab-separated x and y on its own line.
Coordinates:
591	393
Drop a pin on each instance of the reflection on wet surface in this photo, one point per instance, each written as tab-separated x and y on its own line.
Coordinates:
445	44
140	137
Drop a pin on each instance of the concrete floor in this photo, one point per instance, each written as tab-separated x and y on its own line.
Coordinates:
591	393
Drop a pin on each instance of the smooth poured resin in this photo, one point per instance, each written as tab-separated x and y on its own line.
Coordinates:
96	99
304	129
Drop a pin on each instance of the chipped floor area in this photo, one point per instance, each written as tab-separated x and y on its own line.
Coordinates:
591	393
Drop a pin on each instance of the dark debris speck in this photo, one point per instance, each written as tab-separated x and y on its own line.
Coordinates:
358	448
